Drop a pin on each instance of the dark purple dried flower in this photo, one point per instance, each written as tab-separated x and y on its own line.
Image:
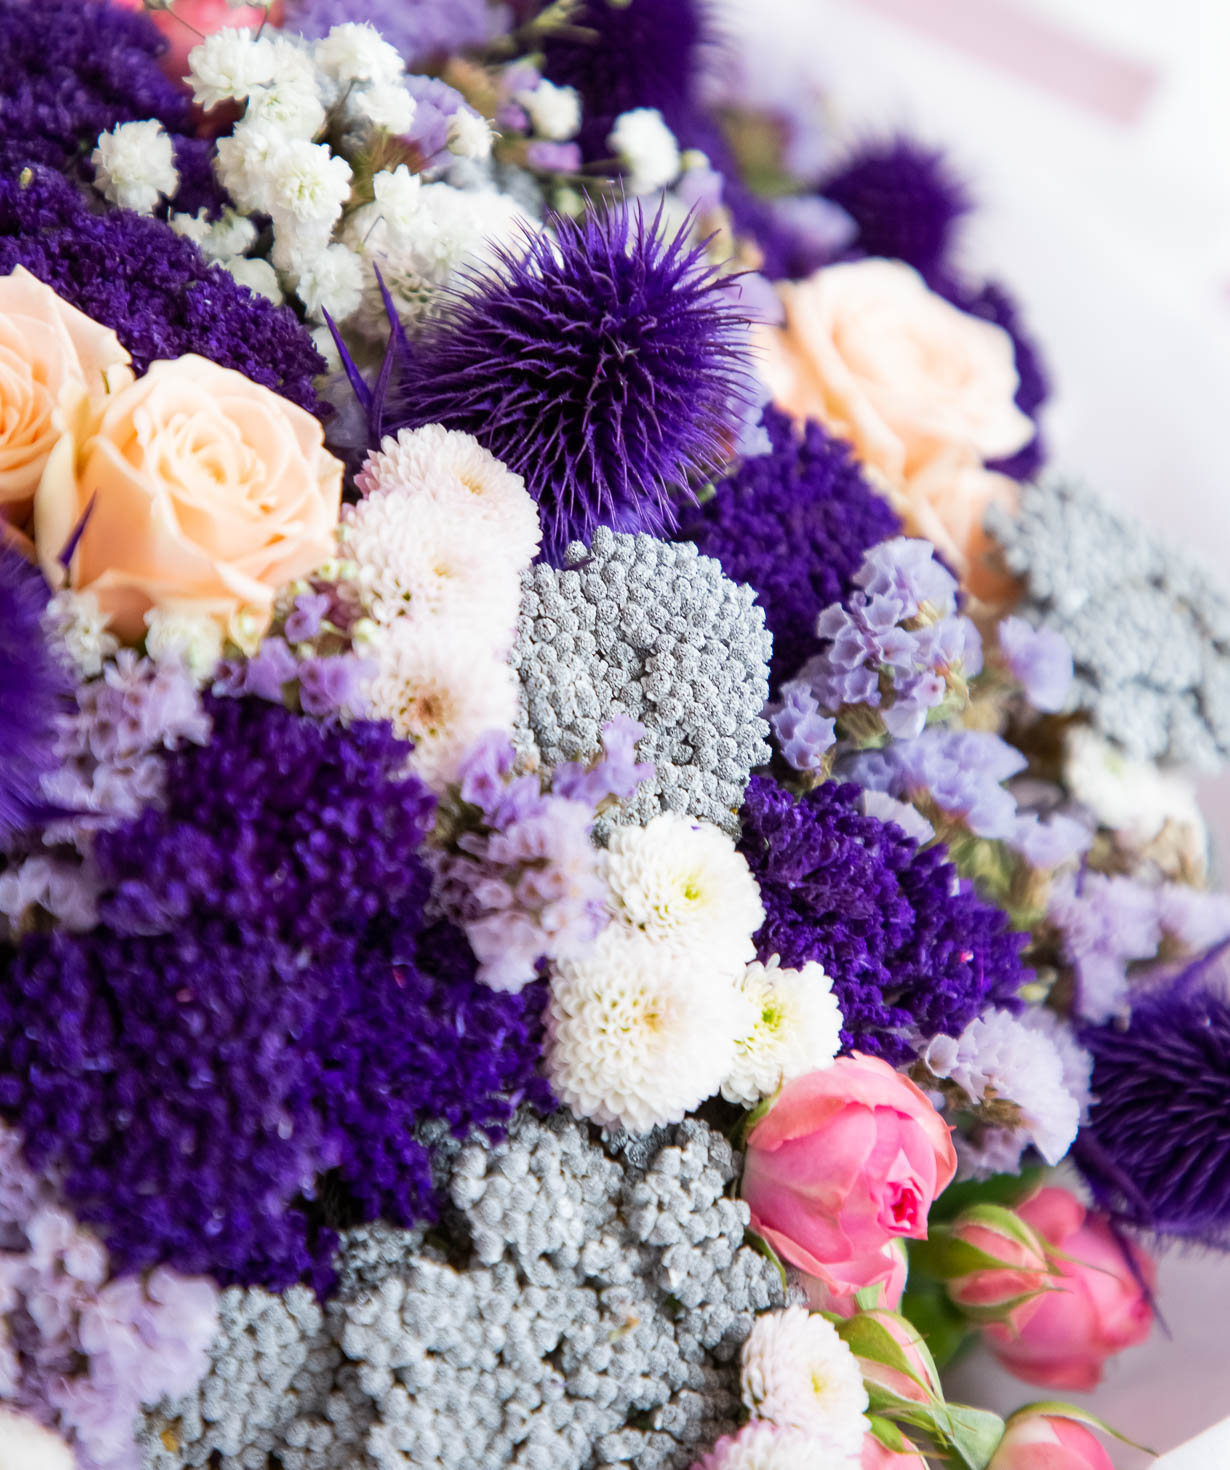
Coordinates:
794	523
32	690
604	365
1156	1149
909	946
153	288
255	1010
905	201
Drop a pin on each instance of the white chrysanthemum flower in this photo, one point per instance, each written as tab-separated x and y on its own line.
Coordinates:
635	1036
257	275
80	628
763	1446
357	52
797	1029
646	149
309	183
134	166
332	282
385	105
1132	797
683	885
454	469
798	1374
441	692
30	1446
229	65
184	638
554	112
433	563
469	136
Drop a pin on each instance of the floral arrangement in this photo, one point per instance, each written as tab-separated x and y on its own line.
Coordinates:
582	821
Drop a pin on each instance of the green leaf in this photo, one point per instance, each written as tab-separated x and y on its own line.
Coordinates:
974	1434
868	1338
1081	1416
888	1434
938	1322
999	1189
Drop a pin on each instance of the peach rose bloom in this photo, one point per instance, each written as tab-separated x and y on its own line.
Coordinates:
924	392
56	365
208	491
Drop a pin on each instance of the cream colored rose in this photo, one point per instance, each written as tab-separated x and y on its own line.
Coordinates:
56	365
208	493
894	369
947	504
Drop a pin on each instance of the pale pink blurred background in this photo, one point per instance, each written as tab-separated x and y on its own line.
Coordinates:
1097	135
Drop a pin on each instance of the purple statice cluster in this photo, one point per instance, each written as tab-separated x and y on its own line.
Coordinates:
259	1007
795	524
1038	659
804	735
72	69
911	950
423	31
604	364
1156	1149
32	692
897	649
82	1351
522	877
153	288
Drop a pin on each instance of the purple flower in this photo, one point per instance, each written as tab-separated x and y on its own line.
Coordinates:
1104	923
310	611
32	693
1039	659
424	30
909	946
604	364
554	158
803	735
794	523
435	104
616	774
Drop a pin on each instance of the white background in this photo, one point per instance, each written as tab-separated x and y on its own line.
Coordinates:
1097	135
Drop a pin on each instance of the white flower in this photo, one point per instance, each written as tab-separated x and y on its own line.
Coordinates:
385	105
1134	798
797	1029
79	626
310	184
442	692
683	885
244	163
469	136
233	234
554	112
332	282
763	1446
228	65
29	1446
798	1374
357	52
647	150
257	275
322	337
292	104
134	166
636	1037
184	638
397	198
454	469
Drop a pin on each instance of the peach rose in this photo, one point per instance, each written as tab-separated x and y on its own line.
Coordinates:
56	365
923	391
208	493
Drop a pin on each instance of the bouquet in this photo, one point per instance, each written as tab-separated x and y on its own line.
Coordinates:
583	819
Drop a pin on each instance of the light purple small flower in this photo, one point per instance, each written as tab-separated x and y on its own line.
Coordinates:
803	734
1040	660
554	158
311	609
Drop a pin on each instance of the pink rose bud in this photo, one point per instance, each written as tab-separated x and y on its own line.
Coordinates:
876	1456
1095	1308
1049	1442
990	1293
879	1340
835	1292
844	1162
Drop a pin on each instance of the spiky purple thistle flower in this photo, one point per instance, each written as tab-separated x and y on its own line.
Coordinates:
32	689
1156	1149
605	365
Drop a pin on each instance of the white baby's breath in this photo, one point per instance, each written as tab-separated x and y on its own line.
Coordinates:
646	149
134	166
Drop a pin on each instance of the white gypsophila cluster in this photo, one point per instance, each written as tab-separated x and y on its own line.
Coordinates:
257	275
638	1035
681	885
331	282
189	639
796	1029
586	1314
29	1445
1134	798
229	65
469	136
134	166
646	150
225	238
799	1374
554	112
80	631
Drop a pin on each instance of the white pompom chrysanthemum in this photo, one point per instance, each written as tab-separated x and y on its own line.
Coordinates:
682	884
635	1037
796	1030
455	470
798	1374
763	1446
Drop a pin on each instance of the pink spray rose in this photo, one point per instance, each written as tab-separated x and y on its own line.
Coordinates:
1096	1307
876	1457
844	1162
1048	1442
990	1293
888	1271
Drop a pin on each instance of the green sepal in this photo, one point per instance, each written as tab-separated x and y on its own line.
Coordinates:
999	1189
974	1434
869	1339
751	1118
888	1434
1060	1410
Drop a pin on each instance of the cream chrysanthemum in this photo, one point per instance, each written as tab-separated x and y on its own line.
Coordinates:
634	1036
798	1374
682	884
763	1446
454	469
796	1029
440	692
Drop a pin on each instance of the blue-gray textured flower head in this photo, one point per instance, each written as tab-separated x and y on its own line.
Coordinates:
604	364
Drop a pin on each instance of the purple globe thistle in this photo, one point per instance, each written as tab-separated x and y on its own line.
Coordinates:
605	365
153	288
794	523
32	693
1156	1149
905	201
257	1009
912	951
